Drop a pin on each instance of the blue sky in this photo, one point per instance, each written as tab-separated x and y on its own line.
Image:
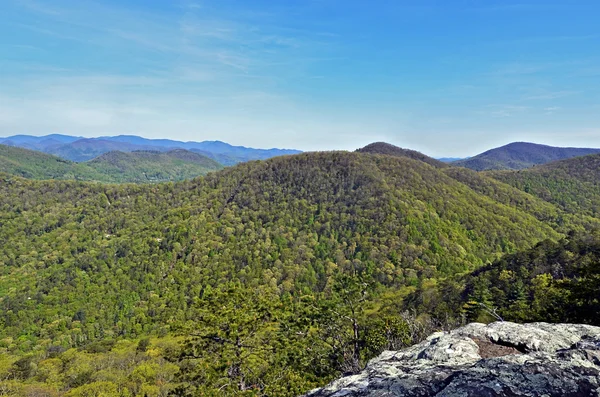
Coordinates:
447	77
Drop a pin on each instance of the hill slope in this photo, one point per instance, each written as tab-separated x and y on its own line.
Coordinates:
551	282
573	184
37	165
289	221
113	167
391	150
521	155
296	258
152	166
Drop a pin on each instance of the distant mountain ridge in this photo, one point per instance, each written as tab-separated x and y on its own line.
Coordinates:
450	159
81	149
521	155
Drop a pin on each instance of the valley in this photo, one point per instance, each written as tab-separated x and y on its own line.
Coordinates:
206	198
274	277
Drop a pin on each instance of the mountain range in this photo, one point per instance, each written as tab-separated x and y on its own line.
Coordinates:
80	149
273	277
514	156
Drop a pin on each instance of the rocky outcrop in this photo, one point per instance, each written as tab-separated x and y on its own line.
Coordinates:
499	359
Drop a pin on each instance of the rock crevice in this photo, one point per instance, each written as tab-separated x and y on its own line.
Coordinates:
499	359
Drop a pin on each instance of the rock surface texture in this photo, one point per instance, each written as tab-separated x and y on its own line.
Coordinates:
499	359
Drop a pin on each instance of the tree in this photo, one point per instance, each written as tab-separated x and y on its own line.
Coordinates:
232	345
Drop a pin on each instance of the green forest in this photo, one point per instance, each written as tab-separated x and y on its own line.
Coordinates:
273	277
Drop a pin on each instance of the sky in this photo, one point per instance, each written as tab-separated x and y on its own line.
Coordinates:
446	77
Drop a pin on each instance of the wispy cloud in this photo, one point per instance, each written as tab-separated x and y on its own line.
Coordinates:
517	7
199	72
548	39
517	68
588	71
195	34
549	95
39	7
310	73
501	111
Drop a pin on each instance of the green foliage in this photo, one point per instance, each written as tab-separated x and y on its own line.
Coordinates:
143	345
150	166
37	165
391	150
552	282
572	185
279	275
121	371
23	368
236	347
83	262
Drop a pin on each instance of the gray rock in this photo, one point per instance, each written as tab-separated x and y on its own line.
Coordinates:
499	359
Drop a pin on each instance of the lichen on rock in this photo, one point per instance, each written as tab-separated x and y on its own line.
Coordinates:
499	359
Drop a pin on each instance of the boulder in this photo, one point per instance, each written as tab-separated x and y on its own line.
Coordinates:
499	359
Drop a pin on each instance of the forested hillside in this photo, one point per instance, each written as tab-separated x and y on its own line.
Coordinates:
152	166
551	282
112	167
278	274
572	185
37	165
391	150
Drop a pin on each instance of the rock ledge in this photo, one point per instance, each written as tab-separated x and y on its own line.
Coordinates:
499	359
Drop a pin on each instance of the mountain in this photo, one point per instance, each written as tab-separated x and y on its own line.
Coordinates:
391	150
222	152
221	158
84	149
209	146
273	277
19	140
301	259
88	149
520	155
113	167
